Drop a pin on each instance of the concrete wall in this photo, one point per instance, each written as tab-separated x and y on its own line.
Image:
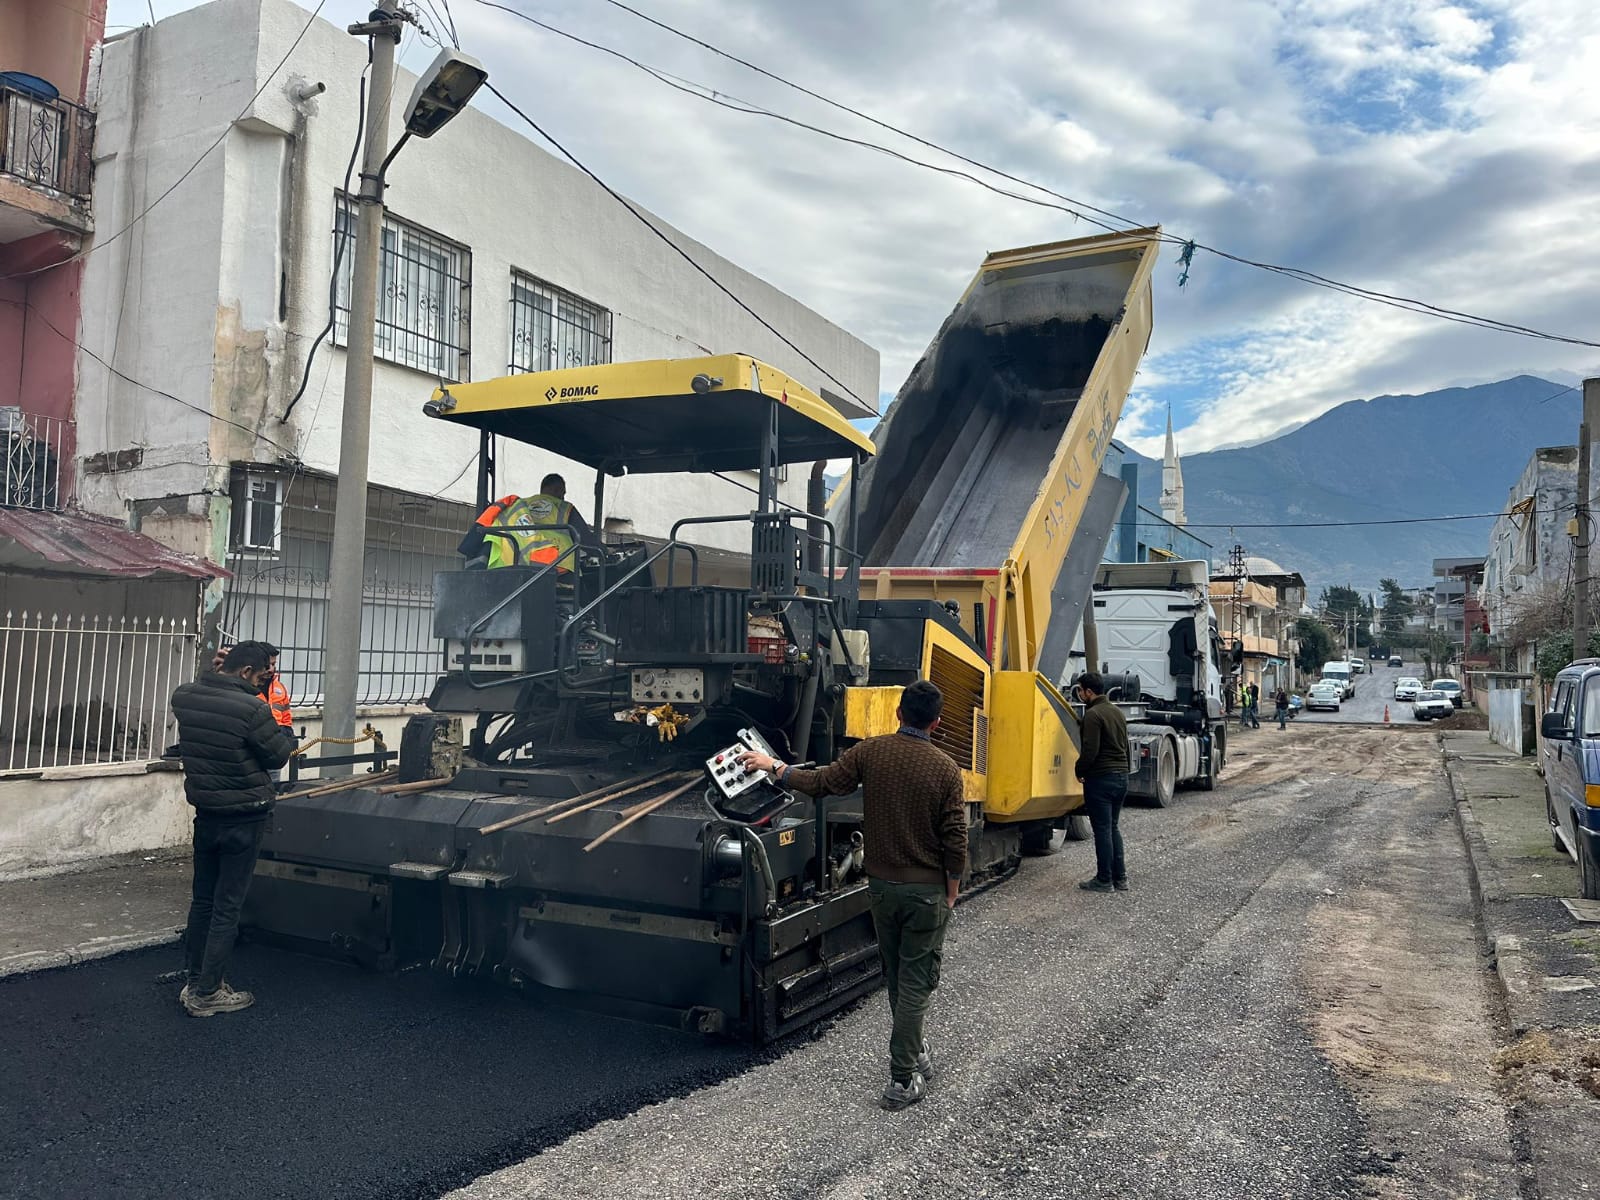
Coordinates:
215	295
1507	719
68	815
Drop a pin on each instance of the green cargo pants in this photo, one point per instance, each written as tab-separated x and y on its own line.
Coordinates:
910	920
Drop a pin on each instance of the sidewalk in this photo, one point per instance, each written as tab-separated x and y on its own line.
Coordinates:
114	905
1548	961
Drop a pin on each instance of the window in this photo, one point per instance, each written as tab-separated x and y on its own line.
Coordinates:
1591	708
551	328
257	525
424	318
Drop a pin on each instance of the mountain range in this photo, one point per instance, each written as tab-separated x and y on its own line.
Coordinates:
1443	453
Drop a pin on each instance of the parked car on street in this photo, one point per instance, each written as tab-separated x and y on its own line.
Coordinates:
1358	666
1450	688
1430	705
1407	687
1325	694
1339	670
1569	751
1396	661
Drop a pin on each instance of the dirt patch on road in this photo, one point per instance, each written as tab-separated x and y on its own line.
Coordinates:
1561	1055
1467	718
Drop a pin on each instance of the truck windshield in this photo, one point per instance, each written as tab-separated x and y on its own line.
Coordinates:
1591	707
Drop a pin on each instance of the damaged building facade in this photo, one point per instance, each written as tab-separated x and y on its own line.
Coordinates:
496	259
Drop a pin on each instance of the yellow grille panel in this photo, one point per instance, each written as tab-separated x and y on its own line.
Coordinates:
962	685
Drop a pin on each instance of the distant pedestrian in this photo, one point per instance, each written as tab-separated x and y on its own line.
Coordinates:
914	824
1255	706
230	744
1281	702
1227	699
1103	768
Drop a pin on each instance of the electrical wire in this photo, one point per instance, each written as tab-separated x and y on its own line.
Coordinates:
1079	207
338	249
101	243
72	341
1357	524
679	250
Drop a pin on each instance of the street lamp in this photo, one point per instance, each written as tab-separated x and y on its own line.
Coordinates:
441	93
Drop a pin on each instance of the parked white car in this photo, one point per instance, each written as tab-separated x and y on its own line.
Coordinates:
1430	705
1450	688
1325	694
1358	666
1407	687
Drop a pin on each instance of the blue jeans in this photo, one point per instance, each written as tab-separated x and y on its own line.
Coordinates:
1103	796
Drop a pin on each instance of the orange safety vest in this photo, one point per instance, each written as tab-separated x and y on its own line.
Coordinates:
278	701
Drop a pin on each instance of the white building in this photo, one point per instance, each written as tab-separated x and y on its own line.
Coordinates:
497	258
1529	564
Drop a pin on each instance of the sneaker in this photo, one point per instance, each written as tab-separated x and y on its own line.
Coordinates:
897	1096
223	1000
925	1065
183	996
1096	885
1120	884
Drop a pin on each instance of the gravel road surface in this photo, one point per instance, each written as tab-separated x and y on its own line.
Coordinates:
1291	1003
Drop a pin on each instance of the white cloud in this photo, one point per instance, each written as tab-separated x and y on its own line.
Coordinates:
1428	148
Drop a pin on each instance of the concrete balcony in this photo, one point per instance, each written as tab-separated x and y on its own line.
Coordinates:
46	164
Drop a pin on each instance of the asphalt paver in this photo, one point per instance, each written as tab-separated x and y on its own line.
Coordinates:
338	1083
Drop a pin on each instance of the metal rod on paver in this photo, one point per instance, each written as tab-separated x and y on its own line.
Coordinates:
604	792
419	785
617	795
344	785
641	810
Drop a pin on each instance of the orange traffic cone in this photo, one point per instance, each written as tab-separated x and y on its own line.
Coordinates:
1385	714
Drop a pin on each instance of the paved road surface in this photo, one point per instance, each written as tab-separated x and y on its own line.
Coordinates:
1289	1004
1374	690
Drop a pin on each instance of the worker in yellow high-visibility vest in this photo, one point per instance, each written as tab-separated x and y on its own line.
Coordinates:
528	547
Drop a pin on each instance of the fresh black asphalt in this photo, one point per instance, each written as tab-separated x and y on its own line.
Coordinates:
339	1083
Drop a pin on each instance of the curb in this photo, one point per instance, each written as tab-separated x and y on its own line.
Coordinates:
1512	965
32	961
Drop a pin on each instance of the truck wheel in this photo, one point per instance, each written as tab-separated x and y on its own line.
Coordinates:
1166	775
1588	872
1208	781
1037	840
1077	829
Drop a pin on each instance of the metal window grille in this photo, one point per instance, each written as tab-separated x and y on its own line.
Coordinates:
552	328
281	595
81	689
424	318
33	450
47	142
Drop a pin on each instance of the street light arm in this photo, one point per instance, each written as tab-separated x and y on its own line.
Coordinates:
389	158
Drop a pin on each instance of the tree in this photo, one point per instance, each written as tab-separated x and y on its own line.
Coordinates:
1316	645
1398	608
1340	603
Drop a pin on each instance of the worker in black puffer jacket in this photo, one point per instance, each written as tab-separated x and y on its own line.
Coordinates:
230	745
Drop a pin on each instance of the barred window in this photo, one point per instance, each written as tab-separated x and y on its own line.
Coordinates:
551	328
424	318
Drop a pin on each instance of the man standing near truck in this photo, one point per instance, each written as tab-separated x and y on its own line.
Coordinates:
1103	767
914	823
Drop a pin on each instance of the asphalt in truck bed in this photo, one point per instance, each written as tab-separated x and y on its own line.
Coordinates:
339	1082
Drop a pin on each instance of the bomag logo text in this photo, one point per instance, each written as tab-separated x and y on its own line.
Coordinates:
573	393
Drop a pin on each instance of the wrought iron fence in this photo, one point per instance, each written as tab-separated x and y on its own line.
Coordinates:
33	450
48	142
86	689
279	589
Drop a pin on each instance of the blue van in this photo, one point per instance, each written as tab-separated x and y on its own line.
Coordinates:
1570	754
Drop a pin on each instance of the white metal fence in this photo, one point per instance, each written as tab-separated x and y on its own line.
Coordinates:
33	450
86	689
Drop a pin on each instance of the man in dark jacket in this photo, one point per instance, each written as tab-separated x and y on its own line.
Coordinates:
230	745
1103	767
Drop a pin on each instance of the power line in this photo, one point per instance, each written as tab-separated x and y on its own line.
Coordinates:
1355	524
1391	300
101	243
34	309
679	250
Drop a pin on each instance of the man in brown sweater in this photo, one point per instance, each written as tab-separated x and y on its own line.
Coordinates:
914	817
1103	768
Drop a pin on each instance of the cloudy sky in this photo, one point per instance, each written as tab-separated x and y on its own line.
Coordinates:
1444	151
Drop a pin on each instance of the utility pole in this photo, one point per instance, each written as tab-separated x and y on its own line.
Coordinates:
1583	524
347	571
